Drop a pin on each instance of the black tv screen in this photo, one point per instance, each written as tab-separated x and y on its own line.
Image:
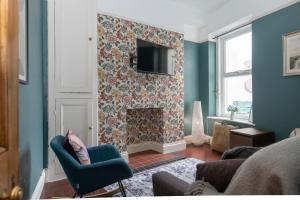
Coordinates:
153	58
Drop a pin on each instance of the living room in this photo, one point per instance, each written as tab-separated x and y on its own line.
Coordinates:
139	98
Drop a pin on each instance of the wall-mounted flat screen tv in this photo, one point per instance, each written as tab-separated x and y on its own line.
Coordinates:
153	58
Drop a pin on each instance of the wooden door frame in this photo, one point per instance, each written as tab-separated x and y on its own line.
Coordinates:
9	85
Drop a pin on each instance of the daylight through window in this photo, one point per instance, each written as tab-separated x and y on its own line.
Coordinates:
235	72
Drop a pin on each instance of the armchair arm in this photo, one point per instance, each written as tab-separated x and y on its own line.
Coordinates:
101	174
166	184
103	152
218	173
240	152
116	162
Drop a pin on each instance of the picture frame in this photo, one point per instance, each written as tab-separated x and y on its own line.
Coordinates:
23	41
291	54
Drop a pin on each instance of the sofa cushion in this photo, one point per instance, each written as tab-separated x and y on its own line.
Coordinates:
240	152
78	147
166	184
218	173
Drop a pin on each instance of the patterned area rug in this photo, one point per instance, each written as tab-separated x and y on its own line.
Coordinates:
163	162
140	185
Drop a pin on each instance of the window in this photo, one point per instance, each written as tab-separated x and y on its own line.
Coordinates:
235	72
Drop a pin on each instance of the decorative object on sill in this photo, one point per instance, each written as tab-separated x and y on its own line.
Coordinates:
232	115
232	109
291	54
198	135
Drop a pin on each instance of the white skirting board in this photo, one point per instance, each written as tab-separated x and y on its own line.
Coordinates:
39	186
162	148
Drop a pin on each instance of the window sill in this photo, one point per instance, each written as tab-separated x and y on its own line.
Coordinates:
241	121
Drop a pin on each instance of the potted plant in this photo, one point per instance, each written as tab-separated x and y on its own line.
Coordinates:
232	109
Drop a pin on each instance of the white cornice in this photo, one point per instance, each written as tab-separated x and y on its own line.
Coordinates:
140	21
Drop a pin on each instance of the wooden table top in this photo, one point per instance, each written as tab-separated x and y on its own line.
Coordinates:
250	131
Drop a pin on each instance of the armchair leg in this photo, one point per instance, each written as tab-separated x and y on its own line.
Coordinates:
75	195
122	189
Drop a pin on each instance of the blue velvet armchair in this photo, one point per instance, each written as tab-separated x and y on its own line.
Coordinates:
107	167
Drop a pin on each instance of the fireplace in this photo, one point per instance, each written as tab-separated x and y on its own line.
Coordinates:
144	125
146	130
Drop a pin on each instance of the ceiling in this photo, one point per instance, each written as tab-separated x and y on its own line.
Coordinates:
197	19
203	6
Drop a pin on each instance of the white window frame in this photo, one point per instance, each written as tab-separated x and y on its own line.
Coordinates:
221	75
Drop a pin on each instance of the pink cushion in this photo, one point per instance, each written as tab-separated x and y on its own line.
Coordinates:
79	148
69	147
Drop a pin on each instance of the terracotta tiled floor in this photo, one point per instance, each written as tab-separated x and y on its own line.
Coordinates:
63	189
141	159
201	152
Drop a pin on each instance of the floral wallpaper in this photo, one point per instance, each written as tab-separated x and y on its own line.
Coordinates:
145	124
122	88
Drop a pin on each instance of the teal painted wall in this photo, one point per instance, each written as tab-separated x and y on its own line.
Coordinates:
203	86
207	76
199	80
31	105
212	51
45	79
276	99
191	82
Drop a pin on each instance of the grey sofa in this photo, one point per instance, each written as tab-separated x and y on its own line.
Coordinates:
273	170
217	173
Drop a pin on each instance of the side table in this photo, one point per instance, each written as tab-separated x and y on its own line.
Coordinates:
251	137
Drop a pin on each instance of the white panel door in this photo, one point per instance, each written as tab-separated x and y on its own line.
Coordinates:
72	73
74	114
75	25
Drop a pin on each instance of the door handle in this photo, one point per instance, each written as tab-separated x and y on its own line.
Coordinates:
15	194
